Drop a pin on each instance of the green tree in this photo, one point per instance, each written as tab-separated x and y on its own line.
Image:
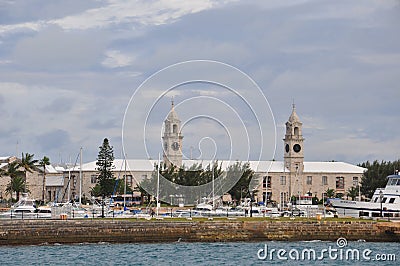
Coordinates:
16	183
105	165
330	193
120	187
241	187
352	193
28	164
43	162
375	176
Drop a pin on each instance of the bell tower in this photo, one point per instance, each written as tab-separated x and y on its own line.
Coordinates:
294	151
172	139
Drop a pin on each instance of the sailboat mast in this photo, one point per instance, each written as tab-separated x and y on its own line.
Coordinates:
125	184
158	185
69	178
80	177
213	192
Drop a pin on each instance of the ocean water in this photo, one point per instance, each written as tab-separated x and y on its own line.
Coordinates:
181	253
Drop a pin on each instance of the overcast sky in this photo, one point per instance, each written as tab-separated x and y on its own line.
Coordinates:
69	68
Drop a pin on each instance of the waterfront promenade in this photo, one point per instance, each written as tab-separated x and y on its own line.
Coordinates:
34	232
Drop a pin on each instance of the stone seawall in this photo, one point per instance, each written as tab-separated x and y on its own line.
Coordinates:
28	232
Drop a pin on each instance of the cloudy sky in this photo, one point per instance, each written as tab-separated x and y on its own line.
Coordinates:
68	70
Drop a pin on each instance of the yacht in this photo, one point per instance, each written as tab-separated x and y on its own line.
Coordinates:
25	207
384	203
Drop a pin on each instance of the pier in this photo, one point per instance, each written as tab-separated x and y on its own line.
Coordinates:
35	232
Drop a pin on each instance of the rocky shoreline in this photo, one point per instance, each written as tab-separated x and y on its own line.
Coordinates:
35	232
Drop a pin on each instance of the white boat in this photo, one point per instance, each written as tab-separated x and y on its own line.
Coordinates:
24	208
43	212
384	203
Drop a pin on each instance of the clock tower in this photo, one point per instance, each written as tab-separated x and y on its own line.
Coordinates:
294	152
172	139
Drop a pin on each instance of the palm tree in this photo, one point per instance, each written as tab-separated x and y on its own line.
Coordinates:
16	183
43	162
28	164
352	193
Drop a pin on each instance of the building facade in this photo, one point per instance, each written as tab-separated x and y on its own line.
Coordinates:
278	181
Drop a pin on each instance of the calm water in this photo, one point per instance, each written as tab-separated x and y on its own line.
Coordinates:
181	253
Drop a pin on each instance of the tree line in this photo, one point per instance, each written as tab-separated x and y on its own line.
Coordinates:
195	175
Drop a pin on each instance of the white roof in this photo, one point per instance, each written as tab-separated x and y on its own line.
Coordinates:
3	164
2	158
257	166
55	181
59	168
332	167
134	165
50	169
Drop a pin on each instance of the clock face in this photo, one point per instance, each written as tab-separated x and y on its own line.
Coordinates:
175	146
287	148
297	148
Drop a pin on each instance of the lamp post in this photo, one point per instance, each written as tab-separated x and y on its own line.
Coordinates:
380	197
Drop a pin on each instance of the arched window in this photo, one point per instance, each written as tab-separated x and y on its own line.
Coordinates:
296	131
174	129
266	182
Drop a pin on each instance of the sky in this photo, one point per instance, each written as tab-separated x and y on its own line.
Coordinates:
71	71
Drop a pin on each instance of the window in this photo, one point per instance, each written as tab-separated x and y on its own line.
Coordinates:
174	129
296	131
128	180
266	182
376	199
284	198
73	180
384	200
93	179
355	181
339	182
267	197
392	200
324	180
309	180
283	180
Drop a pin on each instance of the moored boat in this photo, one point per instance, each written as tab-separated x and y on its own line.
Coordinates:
24	208
384	203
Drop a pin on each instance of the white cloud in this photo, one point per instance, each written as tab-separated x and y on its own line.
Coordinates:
117	59
115	12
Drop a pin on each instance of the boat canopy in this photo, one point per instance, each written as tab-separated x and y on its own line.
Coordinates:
393	180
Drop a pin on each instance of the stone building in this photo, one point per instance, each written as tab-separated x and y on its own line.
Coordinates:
294	177
34	179
278	180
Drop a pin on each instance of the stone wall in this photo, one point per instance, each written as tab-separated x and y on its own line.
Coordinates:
27	232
